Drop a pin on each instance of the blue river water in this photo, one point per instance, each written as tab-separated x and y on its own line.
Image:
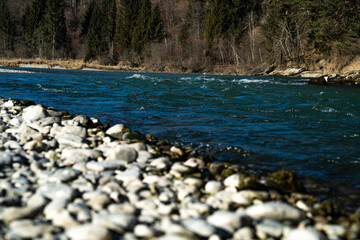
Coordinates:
267	123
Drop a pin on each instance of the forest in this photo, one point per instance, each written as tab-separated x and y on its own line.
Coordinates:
189	35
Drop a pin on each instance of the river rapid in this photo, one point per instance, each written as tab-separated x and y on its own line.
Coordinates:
266	123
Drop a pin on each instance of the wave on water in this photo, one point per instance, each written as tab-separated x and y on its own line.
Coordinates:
49	89
138	76
14	71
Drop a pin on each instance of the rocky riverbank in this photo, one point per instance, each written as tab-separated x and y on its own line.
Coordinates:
71	177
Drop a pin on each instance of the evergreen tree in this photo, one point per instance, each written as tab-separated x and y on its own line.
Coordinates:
7	28
125	22
141	32
53	27
156	25
214	21
31	23
86	19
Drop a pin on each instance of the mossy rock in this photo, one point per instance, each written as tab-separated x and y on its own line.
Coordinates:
27	103
134	137
287	180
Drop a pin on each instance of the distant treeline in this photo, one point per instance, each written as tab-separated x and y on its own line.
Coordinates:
188	34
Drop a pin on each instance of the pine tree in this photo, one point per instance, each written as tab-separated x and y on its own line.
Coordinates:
7	28
109	24
86	19
156	25
53	27
31	23
215	21
141	32
125	22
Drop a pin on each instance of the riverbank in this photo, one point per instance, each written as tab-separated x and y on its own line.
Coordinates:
70	176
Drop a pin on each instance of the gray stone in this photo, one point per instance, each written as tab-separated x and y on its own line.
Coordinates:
64	175
35	145
117	131
56	191
117	222
26	229
82	120
15	213
104	166
5	158
76	130
161	163
199	227
28	133
305	233
276	211
143	156
49	121
34	113
270	228
234	180
88	232
82	154
122	152
229	220
71	140
97	200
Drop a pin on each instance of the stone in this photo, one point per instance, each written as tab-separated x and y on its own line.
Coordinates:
97	200
199	227
54	208
276	211
287	180
15	213
227	219
245	233
64	175
36	146
122	152
5	158
56	191
34	113
117	222
104	166
143	156
213	187
333	231
27	229
234	180
28	133
269	228
305	233
88	232
144	231
71	140
117	131
49	121
82	120
76	130
240	199
161	163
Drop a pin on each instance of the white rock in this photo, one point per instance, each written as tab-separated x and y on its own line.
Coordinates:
143	156
213	187
97	200
305	233
245	233
88	232
64	175
54	208
34	113
26	229
104	166
56	191
10	214
233	181
276	211
144	231
161	163
122	152
71	140
269	228
76	130
117	131
117	222
332	231
199	226
240	199
227	219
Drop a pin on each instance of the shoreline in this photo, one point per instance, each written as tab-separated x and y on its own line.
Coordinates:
319	77
73	174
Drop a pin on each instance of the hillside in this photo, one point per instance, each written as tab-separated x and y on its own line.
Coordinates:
186	35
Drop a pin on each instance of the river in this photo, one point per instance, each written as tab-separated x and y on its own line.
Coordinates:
266	123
